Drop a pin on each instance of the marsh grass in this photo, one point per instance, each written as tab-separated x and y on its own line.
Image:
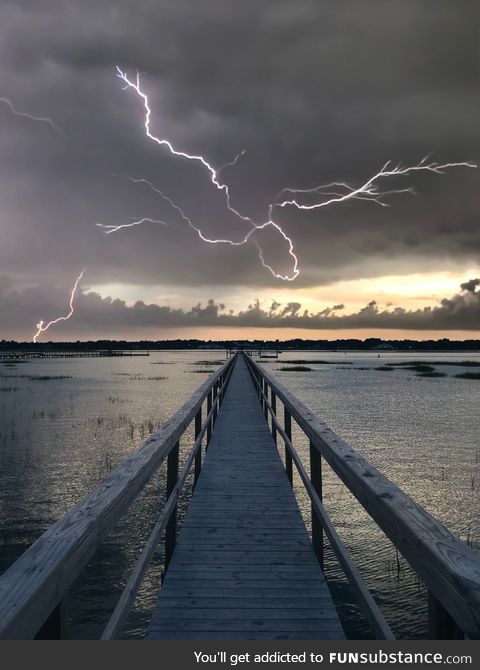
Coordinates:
385	368
133	377
463	364
420	368
468	375
13	361
296	368
204	371
316	362
37	378
47	378
431	373
208	363
117	400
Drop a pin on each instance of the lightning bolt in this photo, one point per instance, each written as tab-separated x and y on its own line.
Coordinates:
233	162
370	190
327	194
113	228
26	115
41	327
175	152
214	178
234	243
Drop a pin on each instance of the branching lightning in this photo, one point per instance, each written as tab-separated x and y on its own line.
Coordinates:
233	162
26	115
113	228
323	195
214	177
41	327
370	190
163	142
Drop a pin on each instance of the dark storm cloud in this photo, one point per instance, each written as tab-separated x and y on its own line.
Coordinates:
313	90
96	314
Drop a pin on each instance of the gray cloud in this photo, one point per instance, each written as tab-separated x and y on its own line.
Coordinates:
470	285
314	93
94	314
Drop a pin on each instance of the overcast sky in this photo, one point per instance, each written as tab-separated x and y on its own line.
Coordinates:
315	91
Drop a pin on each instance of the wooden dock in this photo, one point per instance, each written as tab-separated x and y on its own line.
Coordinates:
47	353
244	566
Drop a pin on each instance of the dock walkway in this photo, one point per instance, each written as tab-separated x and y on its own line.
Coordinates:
244	566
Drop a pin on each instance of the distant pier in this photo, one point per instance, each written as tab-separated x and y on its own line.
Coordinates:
101	353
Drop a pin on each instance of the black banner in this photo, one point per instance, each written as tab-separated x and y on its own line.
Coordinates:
225	655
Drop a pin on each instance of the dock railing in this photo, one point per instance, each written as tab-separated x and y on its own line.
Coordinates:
33	589
449	567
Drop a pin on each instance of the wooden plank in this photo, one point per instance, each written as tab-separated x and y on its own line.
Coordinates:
449	568
252	571
243	635
244	562
285	603
245	591
235	614
283	543
307	624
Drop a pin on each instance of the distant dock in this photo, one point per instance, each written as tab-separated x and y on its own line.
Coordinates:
101	353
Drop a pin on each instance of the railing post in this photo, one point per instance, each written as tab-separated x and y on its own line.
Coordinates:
215	402
198	455
316	479
219	390
441	626
54	626
172	478
265	399
288	457
274	410
209	425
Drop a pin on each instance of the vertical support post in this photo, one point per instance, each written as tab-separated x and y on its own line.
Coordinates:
209	425
172	478
224	379
215	402
198	455
274	408
54	626
288	457
316	479
441	626
265	399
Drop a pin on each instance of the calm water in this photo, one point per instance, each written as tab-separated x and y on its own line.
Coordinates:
59	437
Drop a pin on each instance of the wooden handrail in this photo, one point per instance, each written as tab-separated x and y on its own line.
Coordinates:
36	583
127	598
449	568
376	619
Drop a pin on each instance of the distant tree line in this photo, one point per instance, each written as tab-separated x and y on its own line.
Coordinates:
371	343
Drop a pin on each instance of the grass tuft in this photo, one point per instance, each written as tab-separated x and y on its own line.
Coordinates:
468	375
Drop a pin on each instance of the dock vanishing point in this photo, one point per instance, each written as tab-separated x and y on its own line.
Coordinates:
243	565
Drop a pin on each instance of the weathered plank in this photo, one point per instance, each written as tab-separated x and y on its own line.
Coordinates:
244	564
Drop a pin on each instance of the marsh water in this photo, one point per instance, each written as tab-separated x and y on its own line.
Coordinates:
66	423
